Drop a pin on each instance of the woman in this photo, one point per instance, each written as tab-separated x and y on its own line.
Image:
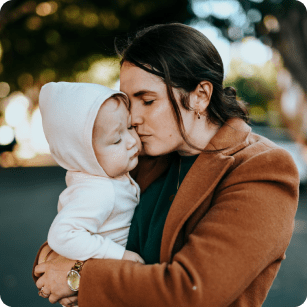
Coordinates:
219	239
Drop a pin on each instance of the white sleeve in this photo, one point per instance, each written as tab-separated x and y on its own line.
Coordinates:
73	233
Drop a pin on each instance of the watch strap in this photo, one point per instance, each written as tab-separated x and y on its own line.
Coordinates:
78	266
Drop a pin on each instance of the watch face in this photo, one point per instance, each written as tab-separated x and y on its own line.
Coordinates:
73	280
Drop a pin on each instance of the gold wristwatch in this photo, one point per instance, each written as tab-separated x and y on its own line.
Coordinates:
73	276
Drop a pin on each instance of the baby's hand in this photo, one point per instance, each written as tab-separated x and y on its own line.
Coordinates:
132	256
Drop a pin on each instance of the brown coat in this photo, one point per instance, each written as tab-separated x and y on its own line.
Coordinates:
224	237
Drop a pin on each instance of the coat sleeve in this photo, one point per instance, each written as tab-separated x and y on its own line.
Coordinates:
74	231
248	227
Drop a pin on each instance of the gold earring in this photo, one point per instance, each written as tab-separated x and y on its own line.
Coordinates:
198	114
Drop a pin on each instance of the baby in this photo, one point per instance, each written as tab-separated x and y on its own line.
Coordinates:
89	132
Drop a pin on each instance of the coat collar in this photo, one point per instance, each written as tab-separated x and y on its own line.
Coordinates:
202	178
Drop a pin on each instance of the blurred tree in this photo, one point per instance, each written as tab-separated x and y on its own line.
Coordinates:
281	24
44	41
256	85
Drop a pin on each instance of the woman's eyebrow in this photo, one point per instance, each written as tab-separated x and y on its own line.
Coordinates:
143	92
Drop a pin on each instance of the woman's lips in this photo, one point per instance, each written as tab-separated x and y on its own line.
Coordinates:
143	137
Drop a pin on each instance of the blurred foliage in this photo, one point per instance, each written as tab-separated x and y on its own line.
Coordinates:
258	18
253	90
281	24
257	86
254	84
58	39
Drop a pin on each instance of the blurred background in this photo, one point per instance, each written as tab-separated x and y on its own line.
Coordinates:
263	44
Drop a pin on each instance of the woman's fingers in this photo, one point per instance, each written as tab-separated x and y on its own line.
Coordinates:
44	292
69	301
40	269
54	277
53	298
40	282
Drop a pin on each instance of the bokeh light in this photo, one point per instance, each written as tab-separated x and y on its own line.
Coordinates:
34	23
253	51
217	8
254	15
16	111
38	139
46	8
235	33
25	80
290	101
271	23
109	20
6	135
47	75
52	37
90	20
72	13
4	89
103	71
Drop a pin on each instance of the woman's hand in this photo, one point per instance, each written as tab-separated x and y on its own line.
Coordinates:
132	256
69	301
54	277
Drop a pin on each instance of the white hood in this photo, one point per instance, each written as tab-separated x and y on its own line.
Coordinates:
69	111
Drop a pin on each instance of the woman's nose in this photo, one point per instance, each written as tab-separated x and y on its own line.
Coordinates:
136	117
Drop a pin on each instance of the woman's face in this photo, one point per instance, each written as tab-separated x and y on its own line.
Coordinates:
151	110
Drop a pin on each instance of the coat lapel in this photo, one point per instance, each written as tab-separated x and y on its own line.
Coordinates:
201	179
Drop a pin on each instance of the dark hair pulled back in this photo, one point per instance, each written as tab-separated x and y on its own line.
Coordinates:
183	57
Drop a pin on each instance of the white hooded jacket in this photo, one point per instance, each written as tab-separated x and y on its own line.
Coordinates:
94	211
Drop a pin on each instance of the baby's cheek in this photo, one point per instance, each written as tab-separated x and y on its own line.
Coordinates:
139	144
118	156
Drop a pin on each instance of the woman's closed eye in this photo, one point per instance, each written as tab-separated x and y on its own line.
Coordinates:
118	141
148	102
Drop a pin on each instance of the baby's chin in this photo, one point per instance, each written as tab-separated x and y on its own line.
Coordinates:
134	163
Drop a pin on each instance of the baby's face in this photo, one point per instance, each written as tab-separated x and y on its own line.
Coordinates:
116	144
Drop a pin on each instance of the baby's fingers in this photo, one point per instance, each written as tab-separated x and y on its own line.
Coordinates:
140	260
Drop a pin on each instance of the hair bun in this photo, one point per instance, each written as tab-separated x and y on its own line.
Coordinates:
230	91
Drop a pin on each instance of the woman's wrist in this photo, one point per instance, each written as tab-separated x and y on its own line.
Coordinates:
74	276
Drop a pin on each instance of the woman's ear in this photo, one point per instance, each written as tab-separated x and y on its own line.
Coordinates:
201	96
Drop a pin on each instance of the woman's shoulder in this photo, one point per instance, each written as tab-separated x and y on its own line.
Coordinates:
253	157
262	160
237	139
259	147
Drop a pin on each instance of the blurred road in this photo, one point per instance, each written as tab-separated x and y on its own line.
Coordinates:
28	200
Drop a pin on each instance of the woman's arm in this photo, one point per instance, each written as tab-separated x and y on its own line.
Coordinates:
52	275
